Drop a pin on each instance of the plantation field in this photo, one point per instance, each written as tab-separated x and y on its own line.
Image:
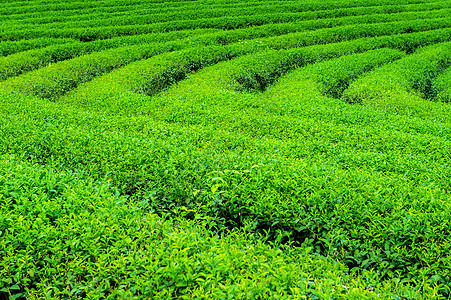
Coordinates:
228	149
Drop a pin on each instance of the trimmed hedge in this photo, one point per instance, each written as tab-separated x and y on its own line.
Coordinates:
23	62
441	86
218	163
256	73
223	23
402	86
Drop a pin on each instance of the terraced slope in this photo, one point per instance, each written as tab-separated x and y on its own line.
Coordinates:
225	149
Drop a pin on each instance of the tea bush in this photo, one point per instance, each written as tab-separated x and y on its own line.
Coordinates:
402	85
442	86
11	47
95	32
225	149
92	243
26	61
158	73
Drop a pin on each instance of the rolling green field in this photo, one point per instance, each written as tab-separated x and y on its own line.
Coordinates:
227	149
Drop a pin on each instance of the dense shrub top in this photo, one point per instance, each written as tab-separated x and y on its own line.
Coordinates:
237	149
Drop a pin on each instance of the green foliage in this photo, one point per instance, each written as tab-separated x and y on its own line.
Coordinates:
11	47
66	237
99	30
257	72
441	86
403	85
336	75
245	150
26	61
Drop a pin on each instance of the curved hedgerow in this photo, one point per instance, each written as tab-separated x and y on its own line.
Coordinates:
11	47
265	15
441	86
225	149
258	72
90	12
224	23
151	76
254	72
47	213
57	79
32	7
334	76
403	85
26	61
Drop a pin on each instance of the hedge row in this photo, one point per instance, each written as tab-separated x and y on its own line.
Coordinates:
233	179
23	62
262	31
333	77
55	80
259	70
258	73
151	76
47	221
224	23
11	47
221	165
201	12
441	86
270	12
112	6
401	86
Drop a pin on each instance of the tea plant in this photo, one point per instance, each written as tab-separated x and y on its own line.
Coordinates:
225	149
